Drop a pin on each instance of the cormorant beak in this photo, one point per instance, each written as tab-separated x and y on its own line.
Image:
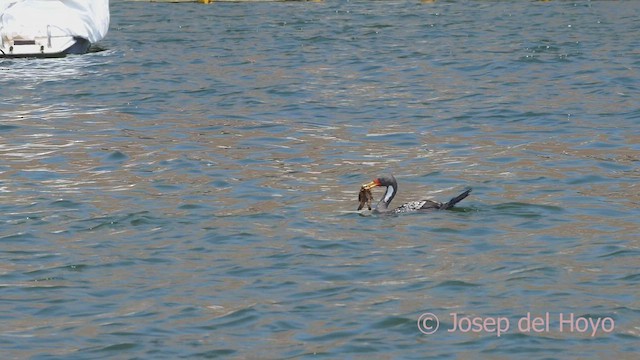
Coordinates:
371	185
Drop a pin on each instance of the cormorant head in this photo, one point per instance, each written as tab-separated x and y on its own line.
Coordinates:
392	188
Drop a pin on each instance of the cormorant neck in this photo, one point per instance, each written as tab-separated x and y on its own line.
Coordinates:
383	204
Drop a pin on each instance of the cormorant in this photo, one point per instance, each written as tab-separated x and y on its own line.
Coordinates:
392	189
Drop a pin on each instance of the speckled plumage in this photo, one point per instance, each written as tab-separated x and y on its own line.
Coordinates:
412	206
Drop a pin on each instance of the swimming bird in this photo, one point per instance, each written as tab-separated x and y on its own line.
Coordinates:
392	189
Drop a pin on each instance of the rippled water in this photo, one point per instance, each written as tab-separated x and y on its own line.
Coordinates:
188	189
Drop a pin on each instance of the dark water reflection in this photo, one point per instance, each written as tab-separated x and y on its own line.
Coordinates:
190	190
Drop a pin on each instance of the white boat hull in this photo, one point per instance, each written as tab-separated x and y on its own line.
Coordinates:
46	28
58	46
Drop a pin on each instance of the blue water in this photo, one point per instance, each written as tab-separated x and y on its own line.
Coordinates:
188	189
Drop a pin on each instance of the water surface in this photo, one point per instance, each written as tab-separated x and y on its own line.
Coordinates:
188	189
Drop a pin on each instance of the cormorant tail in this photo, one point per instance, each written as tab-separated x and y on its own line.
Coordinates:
449	204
